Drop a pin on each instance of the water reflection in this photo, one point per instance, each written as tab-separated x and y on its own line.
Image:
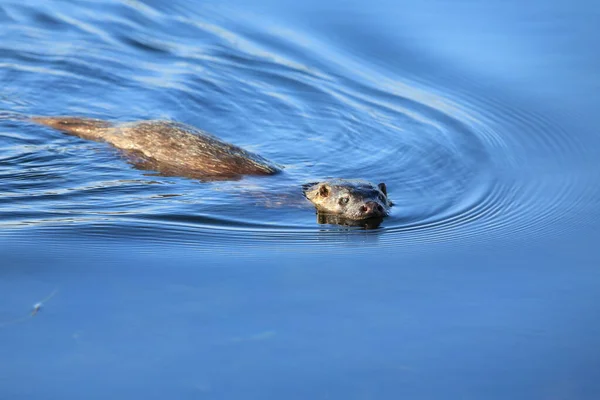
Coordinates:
332	219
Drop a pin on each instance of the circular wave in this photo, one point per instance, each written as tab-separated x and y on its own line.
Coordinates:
457	165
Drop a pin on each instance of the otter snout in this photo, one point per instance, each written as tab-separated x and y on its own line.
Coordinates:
372	209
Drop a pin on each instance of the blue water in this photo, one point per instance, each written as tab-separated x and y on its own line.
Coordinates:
481	118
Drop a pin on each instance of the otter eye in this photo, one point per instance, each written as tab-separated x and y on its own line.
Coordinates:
344	200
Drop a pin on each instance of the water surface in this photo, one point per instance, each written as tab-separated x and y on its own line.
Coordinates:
480	118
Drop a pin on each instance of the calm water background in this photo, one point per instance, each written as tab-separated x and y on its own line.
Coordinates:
481	117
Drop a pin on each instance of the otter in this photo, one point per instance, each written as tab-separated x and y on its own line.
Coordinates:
175	149
353	199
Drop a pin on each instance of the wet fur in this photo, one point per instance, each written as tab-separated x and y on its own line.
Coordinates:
326	198
175	149
170	148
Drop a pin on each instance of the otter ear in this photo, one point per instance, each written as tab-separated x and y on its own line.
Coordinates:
383	188
324	190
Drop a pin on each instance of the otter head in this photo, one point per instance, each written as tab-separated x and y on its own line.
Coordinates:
351	199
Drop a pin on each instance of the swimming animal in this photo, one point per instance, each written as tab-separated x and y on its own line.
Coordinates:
173	148
354	199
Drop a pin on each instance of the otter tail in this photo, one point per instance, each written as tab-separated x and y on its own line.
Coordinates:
86	128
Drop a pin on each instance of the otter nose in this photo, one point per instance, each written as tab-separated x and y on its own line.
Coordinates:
371	208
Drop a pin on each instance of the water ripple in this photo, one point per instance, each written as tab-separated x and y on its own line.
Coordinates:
460	165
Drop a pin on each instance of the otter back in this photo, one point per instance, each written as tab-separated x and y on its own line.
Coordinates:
169	147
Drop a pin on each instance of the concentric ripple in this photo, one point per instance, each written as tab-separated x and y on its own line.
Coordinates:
458	165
